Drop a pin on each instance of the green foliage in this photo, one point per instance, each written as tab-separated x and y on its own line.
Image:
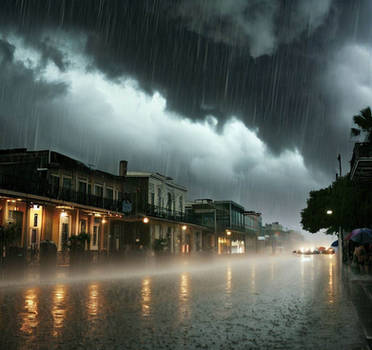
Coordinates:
364	122
350	203
12	234
77	242
160	244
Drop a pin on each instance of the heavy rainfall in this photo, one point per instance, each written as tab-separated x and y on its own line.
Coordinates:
185	174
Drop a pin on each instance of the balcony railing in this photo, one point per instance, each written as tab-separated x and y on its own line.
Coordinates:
166	213
362	152
38	186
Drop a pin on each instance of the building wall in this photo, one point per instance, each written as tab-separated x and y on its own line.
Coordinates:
160	191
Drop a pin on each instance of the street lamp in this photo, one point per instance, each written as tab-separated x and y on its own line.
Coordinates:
184	227
228	233
329	212
146	220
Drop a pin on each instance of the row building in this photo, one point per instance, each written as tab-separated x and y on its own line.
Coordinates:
45	195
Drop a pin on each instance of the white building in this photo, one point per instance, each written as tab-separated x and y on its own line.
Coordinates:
162	202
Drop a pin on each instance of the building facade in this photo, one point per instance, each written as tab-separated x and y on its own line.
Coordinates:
50	196
226	221
253	227
159	220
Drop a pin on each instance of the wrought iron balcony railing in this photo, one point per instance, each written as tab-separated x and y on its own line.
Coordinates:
38	186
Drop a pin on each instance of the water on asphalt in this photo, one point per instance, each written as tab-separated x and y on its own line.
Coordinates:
285	302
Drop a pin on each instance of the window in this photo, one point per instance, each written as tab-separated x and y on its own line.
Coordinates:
54	182
109	193
159	197
82	187
83	226
36	217
181	203
67	183
95	234
89	189
98	190
152	198
169	203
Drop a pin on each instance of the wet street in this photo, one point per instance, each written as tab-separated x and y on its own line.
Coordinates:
286	302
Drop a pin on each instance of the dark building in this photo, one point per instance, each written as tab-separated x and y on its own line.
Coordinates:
51	196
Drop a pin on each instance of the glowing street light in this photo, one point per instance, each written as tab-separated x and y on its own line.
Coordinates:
146	220
184	227
329	212
228	233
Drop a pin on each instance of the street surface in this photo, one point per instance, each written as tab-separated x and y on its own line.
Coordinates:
284	302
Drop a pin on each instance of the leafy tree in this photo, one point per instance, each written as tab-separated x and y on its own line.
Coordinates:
11	234
351	206
364	122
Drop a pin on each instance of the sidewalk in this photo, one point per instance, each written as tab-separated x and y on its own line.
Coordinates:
360	288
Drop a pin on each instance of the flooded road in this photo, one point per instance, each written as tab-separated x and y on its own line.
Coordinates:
273	302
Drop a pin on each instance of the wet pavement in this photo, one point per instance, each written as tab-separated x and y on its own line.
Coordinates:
280	302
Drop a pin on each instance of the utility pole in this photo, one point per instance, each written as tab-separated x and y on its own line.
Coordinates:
339	164
340	234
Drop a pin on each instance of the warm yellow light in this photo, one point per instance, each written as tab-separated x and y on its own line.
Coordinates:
184	227
97	215
103	221
228	233
146	220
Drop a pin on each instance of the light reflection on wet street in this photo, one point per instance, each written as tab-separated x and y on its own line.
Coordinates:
274	302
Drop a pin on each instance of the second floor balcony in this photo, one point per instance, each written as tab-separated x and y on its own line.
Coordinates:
36	185
361	162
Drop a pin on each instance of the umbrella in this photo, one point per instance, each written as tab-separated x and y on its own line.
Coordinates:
334	244
348	236
362	235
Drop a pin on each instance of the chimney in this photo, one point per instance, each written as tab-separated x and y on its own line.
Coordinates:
123	167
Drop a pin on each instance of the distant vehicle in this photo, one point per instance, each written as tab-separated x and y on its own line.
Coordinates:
329	251
307	251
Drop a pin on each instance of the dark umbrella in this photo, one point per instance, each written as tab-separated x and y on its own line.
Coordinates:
348	236
334	244
362	235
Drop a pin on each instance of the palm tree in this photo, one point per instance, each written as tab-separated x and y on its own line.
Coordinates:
364	122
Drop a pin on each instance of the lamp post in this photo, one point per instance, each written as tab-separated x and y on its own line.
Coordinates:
340	238
228	233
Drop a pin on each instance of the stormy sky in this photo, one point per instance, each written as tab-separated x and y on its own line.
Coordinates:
236	99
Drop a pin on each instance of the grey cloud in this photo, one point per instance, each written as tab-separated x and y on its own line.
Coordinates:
261	25
6	52
51	53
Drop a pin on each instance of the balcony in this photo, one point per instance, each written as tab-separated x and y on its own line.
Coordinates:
36	185
164	213
361	163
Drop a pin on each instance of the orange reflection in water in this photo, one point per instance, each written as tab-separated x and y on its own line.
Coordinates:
59	308
330	283
146	297
184	293
29	316
93	299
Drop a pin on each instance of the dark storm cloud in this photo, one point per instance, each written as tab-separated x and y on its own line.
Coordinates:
265	62
157	43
